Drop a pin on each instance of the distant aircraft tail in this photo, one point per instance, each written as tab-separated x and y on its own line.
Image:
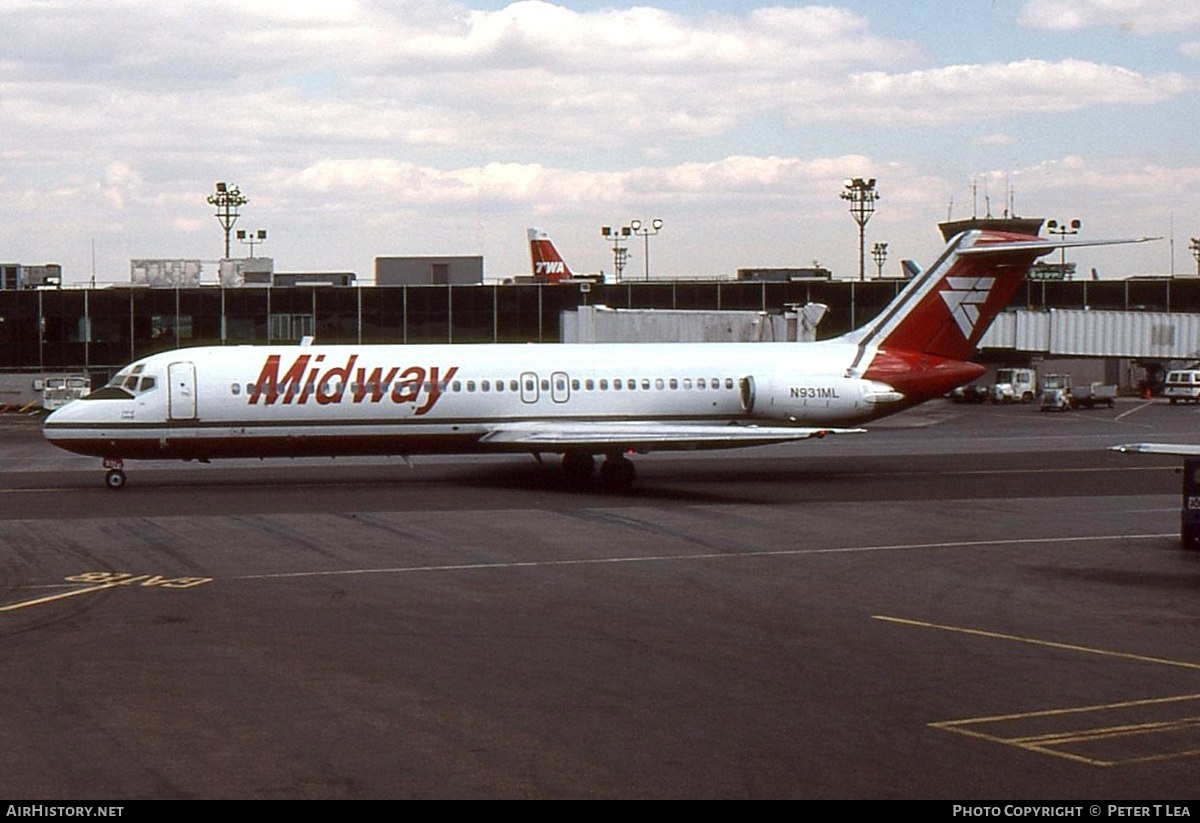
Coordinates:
925	337
548	265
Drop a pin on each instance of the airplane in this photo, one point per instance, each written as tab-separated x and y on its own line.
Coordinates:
578	401
548	265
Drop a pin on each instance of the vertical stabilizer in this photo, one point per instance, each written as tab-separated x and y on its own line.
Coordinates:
548	265
947	308
921	344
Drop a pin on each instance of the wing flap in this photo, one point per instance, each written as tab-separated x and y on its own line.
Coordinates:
644	436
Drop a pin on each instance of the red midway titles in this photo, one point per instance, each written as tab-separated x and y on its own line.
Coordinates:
334	384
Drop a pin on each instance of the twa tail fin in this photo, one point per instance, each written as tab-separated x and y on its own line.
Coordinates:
548	265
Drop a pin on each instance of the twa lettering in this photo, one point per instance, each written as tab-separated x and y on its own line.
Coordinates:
334	385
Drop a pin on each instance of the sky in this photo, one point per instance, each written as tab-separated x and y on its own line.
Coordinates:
364	128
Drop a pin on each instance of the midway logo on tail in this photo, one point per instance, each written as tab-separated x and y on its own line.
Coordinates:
964	296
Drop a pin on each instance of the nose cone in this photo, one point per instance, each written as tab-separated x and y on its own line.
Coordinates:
71	427
52	426
69	413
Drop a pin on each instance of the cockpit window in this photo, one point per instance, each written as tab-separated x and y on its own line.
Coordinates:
126	384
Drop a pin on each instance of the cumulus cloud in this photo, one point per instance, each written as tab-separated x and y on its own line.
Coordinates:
414	113
968	93
1133	16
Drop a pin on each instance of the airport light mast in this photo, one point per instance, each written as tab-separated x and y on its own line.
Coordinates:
879	255
861	195
1194	246
646	232
227	199
252	238
1062	230
620	253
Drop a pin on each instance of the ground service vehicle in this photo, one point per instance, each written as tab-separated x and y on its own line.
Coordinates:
1189	514
1056	392
1092	395
1059	395
60	389
1182	386
1013	386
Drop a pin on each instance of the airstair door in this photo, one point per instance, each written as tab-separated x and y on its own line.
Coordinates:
181	396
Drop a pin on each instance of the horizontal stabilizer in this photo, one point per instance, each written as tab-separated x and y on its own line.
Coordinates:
1044	244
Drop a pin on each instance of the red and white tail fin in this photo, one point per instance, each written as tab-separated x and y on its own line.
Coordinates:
922	341
548	265
946	309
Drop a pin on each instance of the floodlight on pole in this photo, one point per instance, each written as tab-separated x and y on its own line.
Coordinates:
620	253
1194	247
252	238
861	195
1062	230
879	255
227	199
646	232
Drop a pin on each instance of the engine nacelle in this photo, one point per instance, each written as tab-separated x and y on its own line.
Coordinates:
816	400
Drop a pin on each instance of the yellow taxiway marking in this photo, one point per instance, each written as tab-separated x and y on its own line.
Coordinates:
1110	734
110	580
1033	641
733	555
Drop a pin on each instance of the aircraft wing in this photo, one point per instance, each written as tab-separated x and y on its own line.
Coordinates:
1185	449
551	435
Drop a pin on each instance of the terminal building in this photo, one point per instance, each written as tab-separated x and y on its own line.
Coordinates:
1132	328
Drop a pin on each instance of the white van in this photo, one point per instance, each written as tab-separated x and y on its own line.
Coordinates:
1183	386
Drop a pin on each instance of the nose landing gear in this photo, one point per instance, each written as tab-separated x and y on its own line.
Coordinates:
115	478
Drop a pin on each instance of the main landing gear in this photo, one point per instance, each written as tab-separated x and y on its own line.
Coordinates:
617	473
115	479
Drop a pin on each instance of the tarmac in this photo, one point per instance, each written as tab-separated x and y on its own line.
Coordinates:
966	603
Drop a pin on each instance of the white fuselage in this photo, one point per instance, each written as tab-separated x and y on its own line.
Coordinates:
396	399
